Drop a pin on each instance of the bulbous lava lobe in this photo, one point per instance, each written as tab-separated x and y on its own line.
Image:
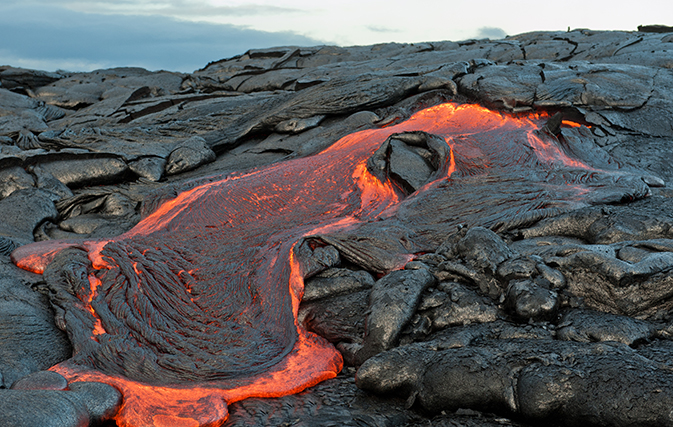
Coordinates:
196	306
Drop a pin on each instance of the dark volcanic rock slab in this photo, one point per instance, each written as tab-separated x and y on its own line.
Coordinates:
590	326
85	170
86	403
12	179
14	78
30	340
541	380
393	301
25	209
41	380
334	402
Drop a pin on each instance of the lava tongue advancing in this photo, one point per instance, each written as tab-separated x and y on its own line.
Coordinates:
196	306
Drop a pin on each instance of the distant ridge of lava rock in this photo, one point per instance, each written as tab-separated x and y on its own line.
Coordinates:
655	28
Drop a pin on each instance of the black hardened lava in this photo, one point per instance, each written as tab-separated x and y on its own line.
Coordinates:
196	306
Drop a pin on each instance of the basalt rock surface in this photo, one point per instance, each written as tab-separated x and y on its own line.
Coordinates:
528	298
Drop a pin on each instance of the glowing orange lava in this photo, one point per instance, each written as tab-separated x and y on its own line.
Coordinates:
282	203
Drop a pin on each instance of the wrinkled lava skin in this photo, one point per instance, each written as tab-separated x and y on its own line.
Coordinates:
195	307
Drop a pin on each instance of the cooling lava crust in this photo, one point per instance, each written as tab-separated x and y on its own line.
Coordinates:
196	306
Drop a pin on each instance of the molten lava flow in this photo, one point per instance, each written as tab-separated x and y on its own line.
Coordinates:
196	306
552	154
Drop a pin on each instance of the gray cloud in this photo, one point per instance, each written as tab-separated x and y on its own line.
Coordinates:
173	8
493	33
61	38
378	29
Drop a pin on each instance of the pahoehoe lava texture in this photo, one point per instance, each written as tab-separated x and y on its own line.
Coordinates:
204	291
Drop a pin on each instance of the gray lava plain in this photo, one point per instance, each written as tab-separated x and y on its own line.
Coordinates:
561	318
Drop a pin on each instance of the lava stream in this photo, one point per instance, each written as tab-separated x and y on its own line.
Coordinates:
196	306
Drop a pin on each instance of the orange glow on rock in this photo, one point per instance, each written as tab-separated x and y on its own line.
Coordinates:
452	163
311	361
570	124
552	154
374	192
94	283
219	258
36	256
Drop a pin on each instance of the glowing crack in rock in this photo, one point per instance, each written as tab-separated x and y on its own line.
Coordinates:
196	306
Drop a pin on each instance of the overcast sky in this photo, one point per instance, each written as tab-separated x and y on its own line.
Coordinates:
184	35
